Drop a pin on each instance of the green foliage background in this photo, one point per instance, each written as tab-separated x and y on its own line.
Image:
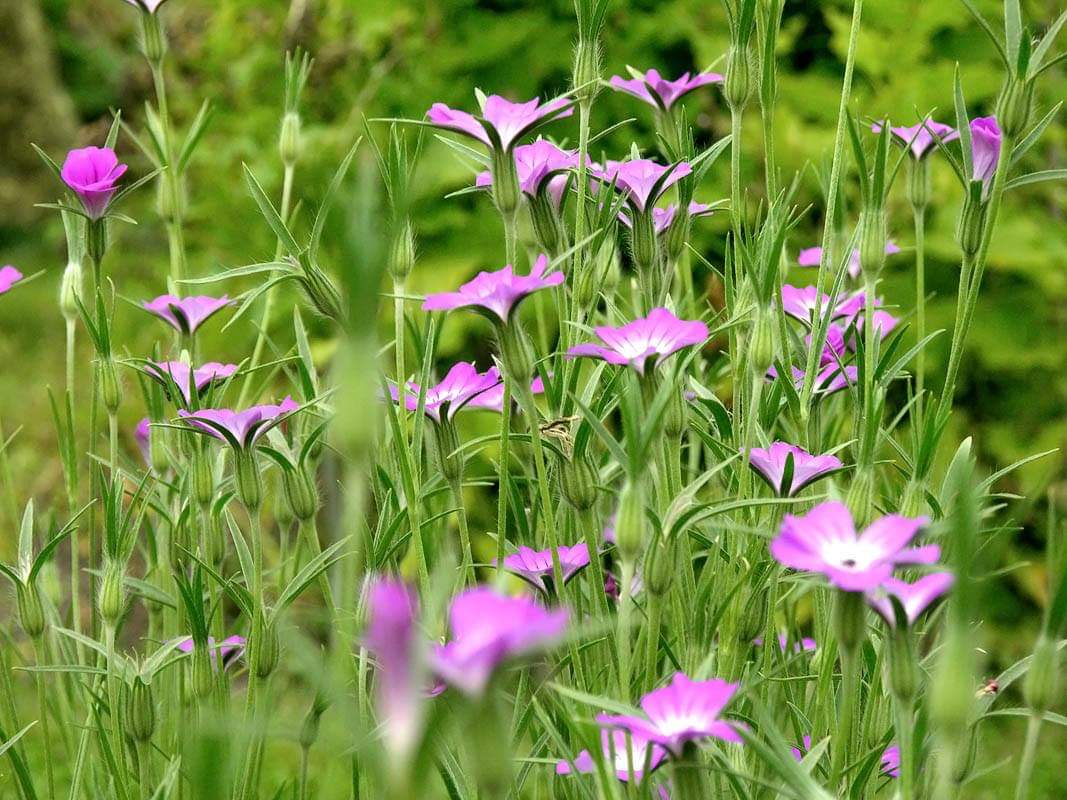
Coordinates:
392	58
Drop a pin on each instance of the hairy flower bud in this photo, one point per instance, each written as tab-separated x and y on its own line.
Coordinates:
848	620
872	242
269	650
70	291
110	388
203	674
153	39
202	477
249	483
323	294
676	237
170	204
447	442
157	450
402	251
918	183
111	596
630	521
970	229
659	568
902	665
753	619
761	347
586	73
578	482
140	711
309	730
1014	105
644	246
31	611
515	353
547	225
738	86
505	187
1042	679
301	494
289	139
860	498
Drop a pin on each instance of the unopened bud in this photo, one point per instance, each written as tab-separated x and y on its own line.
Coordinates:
203	674
505	182
249	483
586	74
1040	687
1014	105
547	225
140	711
918	183
289	139
269	650
309	731
578	482
301	494
31	611
761	348
630	521
402	252
848	620
111	596
659	568
753	621
203	479
676	236
644	246
902	665
738	86
70	291
860	498
447	442
153	39
970	229
323	294
515	353
872	242
110	388
170	204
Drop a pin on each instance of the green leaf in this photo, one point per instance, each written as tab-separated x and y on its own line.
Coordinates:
266	208
329	198
195	133
1037	177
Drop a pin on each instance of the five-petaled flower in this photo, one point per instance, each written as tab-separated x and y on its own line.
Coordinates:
535	566
93	173
493	399
239	429
185	314
831	378
641	181
9	276
462	385
811	256
787	468
502	122
228	650
915	597
660	334
825	540
628	753
921	138
804	302
540	166
663	217
180	374
657	91
496	294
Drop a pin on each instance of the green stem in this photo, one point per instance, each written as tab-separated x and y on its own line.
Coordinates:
511	237
1026	763
920	302
118	745
467	575
502	478
42	710
255	645
847	704
735	172
623	633
172	183
905	724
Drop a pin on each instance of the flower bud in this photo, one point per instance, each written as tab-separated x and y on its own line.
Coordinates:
213	539
301	494
170	203
738	86
153	39
586	73
249	484
309	731
1014	105
872	242
860	498
902	665
911	501
548	227
515	353
402	252
203	674
848	620
578	482
31	611
644	246
96	239
157	450
659	568
70	291
323	294
970	229
269	650
203	479
753	621
447	442
505	182
111	596
918	183
951	693
1040	687
630	521
676	236
110	388
140	711
289	139
761	347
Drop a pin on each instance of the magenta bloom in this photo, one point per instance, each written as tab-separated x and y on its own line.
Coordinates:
891	761
180	373
239	429
663	217
93	173
681	712
618	747
502	122
830	379
811	256
535	566
493	399
229	649
186	314
541	166
151	6
825	540
803	303
788	468
641	180
9	276
660	92
985	150
922	137
800	752
488	629
805	644
496	294
461	385
659	334
914	597
142	435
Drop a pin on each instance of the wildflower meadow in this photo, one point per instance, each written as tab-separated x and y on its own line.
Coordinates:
662	495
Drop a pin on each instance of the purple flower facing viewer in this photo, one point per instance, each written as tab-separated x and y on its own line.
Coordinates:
683	711
627	753
641	180
539	166
488	629
660	334
985	150
657	91
496	294
921	138
228	650
502	122
9	276
183	376
914	597
535	566
462	385
93	173
788	469
240	429
825	540
186	314
811	256
803	302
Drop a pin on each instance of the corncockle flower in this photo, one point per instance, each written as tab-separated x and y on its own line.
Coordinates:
179	373
884	323
9	276
186	314
92	173
502	122
493	399
914	597
151	6
239	429
922	137
460	386
627	753
825	540
142	435
228	650
641	180
496	294
830	378
683	711
663	217
788	469
613	590
891	761
805	644
985	150
800	752
802	303
660	92
535	566
835	348
488	629
659	334
540	166
811	256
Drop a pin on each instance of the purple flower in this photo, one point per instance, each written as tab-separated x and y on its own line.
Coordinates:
914	597
830	379
627	753
891	761
985	150
922	137
496	294
614	591
825	540
811	256
659	92
186	314
92	173
802	303
539	165
641	180
493	399
178	373
535	566
488	629
684	711
663	217
151	6
502	122
9	276
142	434
800	752
229	649
659	334
461	385
805	644
773	463
239	429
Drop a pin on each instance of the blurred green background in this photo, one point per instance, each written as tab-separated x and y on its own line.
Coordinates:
67	63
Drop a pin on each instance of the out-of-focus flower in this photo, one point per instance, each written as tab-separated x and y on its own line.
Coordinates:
804	645
985	150
186	314
825	540
462	385
921	138
660	92
802	303
9	276
228	650
489	628
93	174
773	465
142	434
891	761
502	122
493	399
800	752
182	375
239	429
659	334
683	711
539	166
641	180
811	256
496	294
914	597
535	566
627	753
